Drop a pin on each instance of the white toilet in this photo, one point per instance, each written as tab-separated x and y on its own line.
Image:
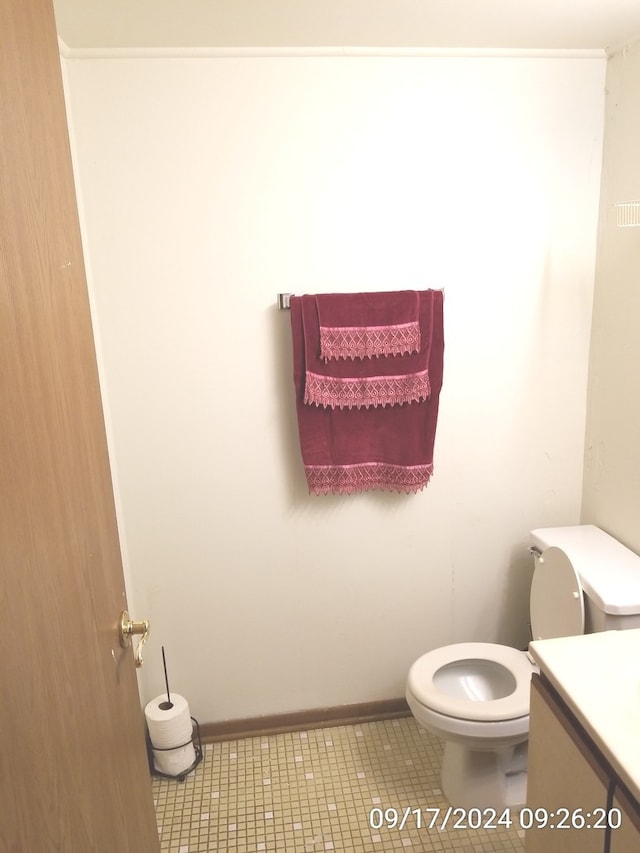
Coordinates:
475	696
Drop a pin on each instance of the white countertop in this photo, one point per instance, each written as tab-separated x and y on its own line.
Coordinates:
598	676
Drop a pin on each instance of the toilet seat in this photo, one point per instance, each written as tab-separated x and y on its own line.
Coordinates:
509	663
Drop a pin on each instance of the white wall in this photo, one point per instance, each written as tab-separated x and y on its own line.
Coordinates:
612	459
209	185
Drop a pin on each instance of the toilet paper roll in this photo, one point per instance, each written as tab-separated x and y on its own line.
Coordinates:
168	726
176	761
170	732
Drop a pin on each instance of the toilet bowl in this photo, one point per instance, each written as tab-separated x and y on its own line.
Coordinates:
475	696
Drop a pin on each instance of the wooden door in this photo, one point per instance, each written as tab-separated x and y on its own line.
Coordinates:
73	770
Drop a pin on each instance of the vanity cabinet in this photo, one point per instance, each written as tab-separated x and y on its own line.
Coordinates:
563	774
574	793
627	837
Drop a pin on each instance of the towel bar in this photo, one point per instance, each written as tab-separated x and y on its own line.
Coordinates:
283	301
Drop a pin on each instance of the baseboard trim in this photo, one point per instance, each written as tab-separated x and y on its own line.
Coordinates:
316	718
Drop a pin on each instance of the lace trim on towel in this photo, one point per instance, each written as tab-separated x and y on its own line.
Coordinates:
348	479
368	341
362	392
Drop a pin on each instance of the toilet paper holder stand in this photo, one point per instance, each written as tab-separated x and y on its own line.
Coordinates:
197	748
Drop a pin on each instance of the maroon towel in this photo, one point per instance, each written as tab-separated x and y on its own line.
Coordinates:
366	381
364	325
346	450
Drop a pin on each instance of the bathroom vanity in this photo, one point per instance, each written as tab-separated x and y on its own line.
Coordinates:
584	745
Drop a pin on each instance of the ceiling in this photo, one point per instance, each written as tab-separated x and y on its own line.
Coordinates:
458	24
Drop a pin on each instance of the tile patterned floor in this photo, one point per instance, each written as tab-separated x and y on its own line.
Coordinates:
329	789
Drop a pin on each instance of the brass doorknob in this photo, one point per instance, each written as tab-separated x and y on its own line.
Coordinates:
127	628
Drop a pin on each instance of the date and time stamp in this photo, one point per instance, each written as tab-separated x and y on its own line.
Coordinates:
443	819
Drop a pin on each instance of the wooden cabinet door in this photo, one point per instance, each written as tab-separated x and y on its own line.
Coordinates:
74	776
563	774
626	838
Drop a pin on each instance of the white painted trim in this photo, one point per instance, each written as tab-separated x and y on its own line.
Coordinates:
296	52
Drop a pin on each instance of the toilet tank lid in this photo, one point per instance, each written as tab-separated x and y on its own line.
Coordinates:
608	570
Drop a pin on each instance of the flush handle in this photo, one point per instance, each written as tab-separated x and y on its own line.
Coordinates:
126	630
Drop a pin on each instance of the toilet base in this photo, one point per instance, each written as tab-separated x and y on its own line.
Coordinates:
495	779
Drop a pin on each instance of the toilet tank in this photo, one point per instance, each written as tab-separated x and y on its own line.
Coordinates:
609	574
